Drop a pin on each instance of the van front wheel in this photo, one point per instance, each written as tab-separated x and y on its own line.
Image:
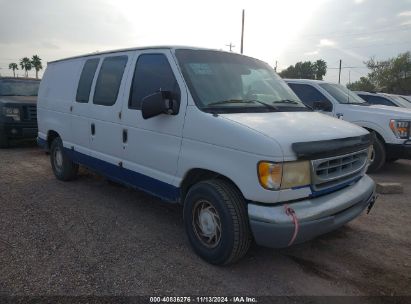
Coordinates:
216	222
63	168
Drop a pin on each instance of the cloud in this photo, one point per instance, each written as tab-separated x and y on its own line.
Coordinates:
404	14
49	45
326	43
358	1
408	22
312	53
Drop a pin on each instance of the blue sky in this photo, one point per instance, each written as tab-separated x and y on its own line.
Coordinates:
282	31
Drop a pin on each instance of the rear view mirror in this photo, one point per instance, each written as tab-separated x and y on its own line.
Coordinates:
159	103
322	105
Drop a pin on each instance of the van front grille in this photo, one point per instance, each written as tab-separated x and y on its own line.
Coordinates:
333	171
30	113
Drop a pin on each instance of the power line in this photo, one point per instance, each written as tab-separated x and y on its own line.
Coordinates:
231	46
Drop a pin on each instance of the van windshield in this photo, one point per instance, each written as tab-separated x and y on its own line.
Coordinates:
342	94
11	87
231	83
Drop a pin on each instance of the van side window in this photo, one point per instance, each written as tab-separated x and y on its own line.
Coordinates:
308	94
109	80
152	74
86	79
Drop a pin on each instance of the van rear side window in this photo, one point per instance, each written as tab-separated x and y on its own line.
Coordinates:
109	80
86	79
152	74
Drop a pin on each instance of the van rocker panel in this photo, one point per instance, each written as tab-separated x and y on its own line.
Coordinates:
124	176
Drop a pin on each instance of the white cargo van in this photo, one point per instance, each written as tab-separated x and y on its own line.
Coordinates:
391	126
218	132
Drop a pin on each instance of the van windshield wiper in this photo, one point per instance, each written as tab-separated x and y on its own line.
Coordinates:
286	101
228	101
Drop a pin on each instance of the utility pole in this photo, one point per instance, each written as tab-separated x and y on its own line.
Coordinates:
231	46
242	33
339	73
275	69
349	76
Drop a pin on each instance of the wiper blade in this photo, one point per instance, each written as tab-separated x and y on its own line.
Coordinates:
228	101
286	101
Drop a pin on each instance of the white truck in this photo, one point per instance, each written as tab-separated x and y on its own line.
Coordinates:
390	125
218	132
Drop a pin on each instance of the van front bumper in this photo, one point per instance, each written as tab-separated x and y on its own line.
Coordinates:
272	227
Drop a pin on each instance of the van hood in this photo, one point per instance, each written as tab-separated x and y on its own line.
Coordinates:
381	110
18	99
287	128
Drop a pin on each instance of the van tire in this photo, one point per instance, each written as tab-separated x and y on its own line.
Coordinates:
379	156
230	207
63	168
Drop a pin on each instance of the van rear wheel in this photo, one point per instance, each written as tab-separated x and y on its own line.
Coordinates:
216	222
63	168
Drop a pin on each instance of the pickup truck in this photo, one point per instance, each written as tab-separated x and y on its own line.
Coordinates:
389	125
18	111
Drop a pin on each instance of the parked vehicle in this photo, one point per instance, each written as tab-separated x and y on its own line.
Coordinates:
407	98
18	118
384	99
218	132
390	125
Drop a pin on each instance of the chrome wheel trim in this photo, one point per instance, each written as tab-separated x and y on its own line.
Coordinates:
372	156
58	158
206	223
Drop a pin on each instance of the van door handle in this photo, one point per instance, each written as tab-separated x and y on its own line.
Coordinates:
93	129
125	137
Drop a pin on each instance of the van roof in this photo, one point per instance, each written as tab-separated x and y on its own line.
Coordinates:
136	48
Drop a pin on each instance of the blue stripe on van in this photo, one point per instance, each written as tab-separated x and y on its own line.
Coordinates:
125	176
335	188
42	143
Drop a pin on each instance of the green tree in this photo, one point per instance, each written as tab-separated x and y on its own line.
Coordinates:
320	69
289	72
392	75
364	84
36	63
25	64
306	70
13	66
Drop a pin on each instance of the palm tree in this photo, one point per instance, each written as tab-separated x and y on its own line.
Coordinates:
13	66
320	67
26	65
36	63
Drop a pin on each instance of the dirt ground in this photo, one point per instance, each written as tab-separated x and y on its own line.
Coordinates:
93	237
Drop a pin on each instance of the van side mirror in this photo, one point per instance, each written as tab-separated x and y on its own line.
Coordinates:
322	105
162	102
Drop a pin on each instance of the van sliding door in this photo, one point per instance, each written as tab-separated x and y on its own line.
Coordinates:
105	129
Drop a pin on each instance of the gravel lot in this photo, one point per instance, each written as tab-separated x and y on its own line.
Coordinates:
93	237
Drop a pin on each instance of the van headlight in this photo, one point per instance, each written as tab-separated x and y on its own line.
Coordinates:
400	128
275	176
12	112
